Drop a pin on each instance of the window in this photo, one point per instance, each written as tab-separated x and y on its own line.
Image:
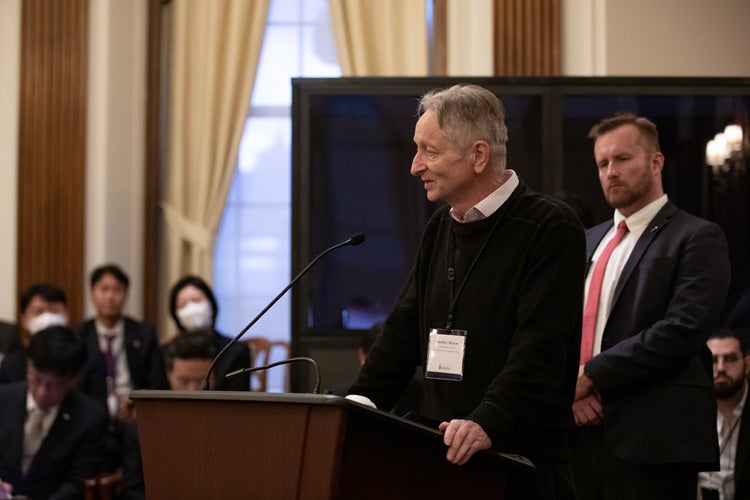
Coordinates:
252	259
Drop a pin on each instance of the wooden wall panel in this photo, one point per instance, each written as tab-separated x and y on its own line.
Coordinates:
438	63
527	38
52	145
153	161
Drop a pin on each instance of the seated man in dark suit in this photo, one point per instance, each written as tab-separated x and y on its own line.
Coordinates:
188	358
43	305
731	360
51	434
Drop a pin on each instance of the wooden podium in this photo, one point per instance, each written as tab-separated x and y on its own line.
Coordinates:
209	444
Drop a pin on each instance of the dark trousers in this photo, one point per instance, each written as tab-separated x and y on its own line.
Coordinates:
600	475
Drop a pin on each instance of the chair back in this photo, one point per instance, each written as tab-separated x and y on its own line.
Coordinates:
262	352
103	487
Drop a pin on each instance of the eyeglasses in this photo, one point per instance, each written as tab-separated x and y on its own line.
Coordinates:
731	358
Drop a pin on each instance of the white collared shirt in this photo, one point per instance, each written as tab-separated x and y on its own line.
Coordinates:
122	385
493	202
723	479
49	418
637	224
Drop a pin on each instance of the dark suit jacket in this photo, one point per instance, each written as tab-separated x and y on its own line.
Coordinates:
654	373
70	453
741	469
141	351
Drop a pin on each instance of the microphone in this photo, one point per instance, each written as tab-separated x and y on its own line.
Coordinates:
353	240
277	363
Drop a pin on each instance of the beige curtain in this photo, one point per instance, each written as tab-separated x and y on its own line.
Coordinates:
214	52
380	37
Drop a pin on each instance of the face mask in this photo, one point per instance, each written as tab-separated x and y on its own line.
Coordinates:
45	320
195	316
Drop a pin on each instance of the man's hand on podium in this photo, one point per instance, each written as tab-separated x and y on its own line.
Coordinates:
5	490
463	438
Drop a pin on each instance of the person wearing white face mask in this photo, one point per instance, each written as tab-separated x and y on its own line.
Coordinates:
193	307
44	305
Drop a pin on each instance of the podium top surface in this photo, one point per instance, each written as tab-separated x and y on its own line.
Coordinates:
383	418
258	397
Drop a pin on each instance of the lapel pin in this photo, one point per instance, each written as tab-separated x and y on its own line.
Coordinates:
137	344
66	416
654	229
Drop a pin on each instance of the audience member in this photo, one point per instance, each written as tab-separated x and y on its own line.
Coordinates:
51	434
655	290
43	305
731	361
193	307
492	308
127	348
129	351
188	358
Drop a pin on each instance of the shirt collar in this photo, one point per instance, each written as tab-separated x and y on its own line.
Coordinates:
32	406
493	201
117	330
638	221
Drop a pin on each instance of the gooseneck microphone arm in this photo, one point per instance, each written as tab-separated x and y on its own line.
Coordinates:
277	363
353	240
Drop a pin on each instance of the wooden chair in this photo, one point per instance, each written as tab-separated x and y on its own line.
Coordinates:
104	486
262	352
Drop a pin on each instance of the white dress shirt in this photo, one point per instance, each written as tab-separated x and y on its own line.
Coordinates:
637	224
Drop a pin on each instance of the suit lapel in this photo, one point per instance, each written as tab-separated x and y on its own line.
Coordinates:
57	433
92	337
652	230
132	347
593	238
743	443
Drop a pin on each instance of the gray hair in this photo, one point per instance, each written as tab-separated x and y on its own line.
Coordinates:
467	113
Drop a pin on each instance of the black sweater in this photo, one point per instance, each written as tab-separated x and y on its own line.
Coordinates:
521	306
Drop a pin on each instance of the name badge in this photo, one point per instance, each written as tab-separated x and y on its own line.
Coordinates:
445	354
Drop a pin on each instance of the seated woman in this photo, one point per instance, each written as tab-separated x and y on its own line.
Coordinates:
193	307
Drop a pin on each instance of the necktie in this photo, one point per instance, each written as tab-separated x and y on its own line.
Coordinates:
109	357
591	310
33	437
109	360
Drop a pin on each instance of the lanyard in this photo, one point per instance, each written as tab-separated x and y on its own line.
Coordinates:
729	434
453	296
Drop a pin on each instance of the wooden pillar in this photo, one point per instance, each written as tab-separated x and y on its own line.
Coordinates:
52	145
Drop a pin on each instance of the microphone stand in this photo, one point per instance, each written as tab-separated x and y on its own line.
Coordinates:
316	390
353	240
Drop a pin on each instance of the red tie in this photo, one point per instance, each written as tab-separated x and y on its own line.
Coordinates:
595	290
